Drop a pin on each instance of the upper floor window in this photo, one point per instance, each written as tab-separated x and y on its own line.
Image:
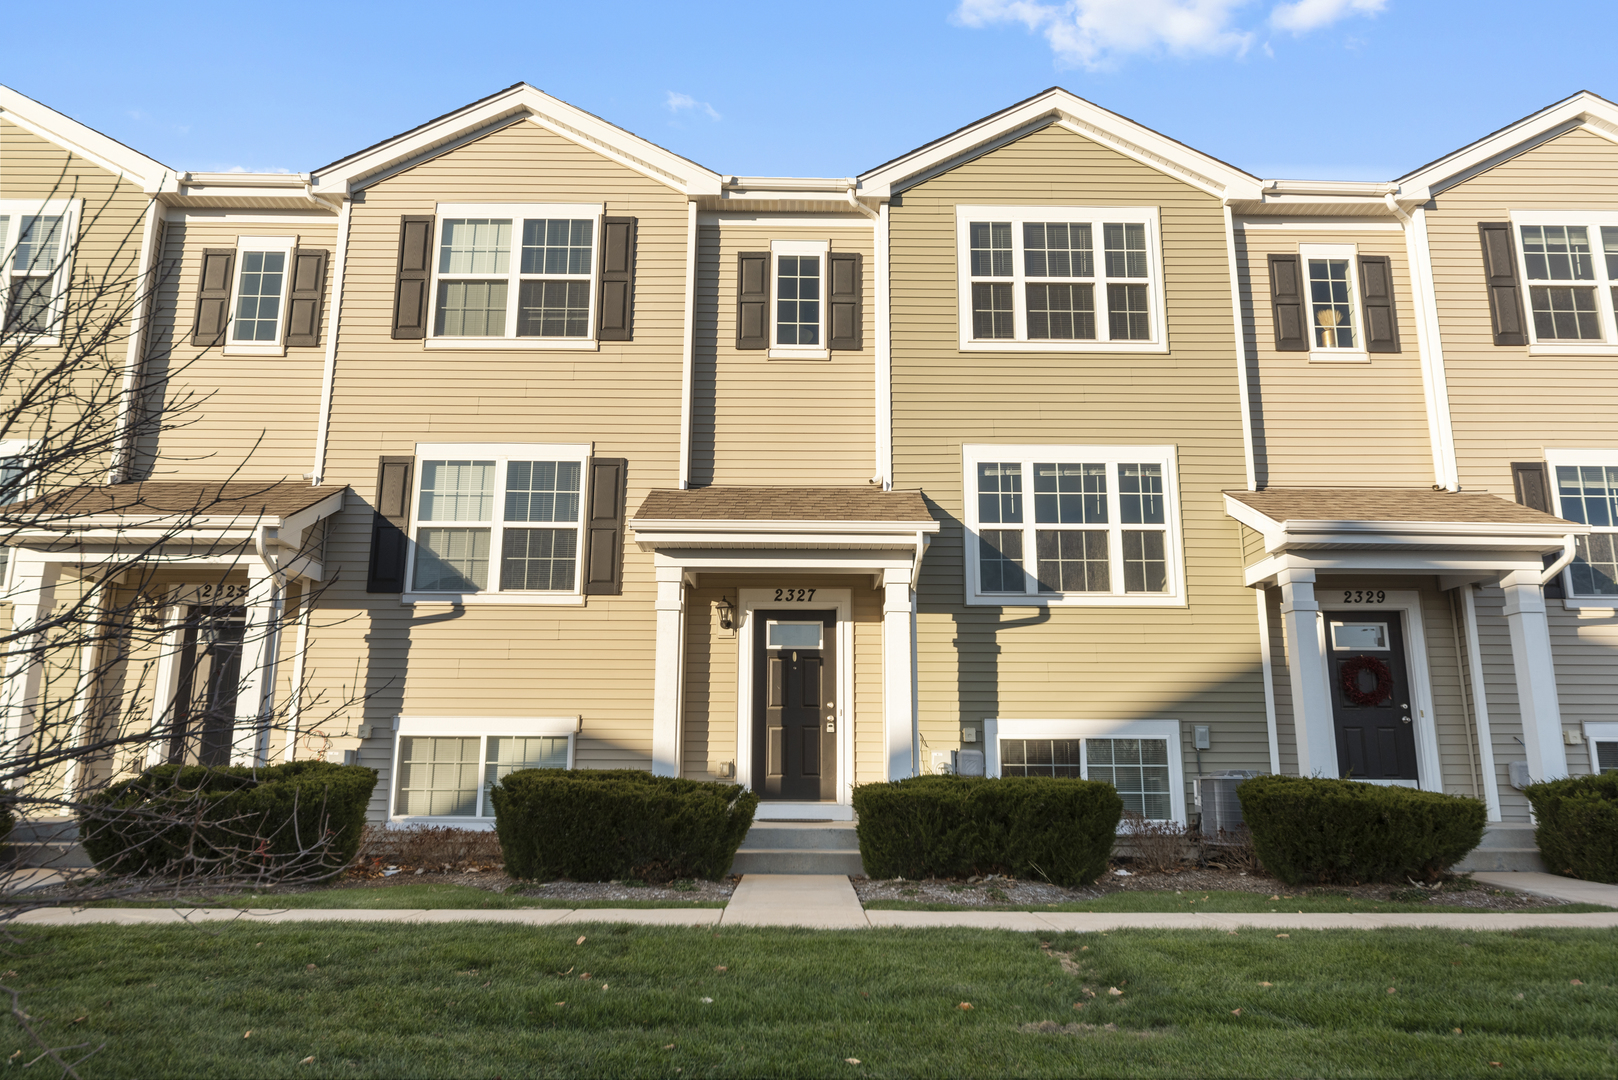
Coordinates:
1059	278
1101	528
498	519
258	302
1570	269
1331	299
799	316
36	241
524	272
1586	484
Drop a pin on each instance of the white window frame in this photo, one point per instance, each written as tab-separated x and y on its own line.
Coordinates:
1097	216
974	453
1602	283
244	244
997	728
517	213
11	448
481	728
61	276
778	248
1321	354
1553	458
501	454
1602	731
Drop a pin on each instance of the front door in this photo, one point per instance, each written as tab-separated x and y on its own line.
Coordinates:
1371	705
795	705
210	677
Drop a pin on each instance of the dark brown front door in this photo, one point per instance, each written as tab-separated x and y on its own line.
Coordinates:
1376	729
210	677
795	705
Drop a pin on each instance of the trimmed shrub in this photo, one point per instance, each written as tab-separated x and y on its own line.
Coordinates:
956	826
607	824
301	819
1308	830
1578	825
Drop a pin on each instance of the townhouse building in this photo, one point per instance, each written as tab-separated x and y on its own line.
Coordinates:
1052	447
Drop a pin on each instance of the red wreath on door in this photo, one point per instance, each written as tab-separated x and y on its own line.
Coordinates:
1349	676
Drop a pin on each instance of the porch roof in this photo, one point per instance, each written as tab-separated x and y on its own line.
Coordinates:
233	504
1299	505
781	505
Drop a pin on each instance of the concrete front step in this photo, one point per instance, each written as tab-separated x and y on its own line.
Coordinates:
1504	847
797	861
51	842
800	847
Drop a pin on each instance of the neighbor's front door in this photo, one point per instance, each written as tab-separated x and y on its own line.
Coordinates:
1371	705
795	705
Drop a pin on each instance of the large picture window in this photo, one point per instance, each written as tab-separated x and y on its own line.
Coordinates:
36	245
497	519
523	272
1059	278
1140	758
1570	273
1586	486
1100	527
444	767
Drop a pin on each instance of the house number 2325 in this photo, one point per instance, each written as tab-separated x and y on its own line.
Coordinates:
790	595
1364	596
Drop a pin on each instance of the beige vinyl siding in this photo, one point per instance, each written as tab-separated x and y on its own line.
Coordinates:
1585	643
594	661
230	417
1334	424
1197	664
763	421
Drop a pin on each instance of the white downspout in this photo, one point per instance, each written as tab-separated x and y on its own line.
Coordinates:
1569	550
124	448
1429	345
1239	329
861	207
328	377
688	346
923	542
884	353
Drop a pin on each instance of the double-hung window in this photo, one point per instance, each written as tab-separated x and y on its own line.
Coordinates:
501	521
445	766
16	485
1331	284
36	244
258	301
1586	486
522	275
1570	274
1140	758
799	316
1072	525
1060	278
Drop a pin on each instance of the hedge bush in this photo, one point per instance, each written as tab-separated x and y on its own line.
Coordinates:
1578	825
1045	828
1308	830
218	822
607	824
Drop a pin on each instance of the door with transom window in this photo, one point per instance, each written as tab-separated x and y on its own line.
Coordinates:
795	705
1371	703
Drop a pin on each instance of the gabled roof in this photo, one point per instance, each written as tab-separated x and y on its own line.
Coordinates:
515	104
1077	115
1584	109
794	504
86	142
1407	505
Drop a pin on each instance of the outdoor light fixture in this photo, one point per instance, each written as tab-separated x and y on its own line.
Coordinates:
726	614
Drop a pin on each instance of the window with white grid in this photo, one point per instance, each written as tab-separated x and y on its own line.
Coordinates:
523	273
16	484
36	245
1587	492
1569	264
449	775
1059	278
498	520
1139	758
1101	526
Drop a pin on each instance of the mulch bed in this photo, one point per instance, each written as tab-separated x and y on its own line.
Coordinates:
493	878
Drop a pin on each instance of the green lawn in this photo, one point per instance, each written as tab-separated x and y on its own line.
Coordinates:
481	1000
1202	901
389	897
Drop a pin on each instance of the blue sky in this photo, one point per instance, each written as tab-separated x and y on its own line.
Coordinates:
1341	89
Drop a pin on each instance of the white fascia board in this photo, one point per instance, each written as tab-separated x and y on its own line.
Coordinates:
1079	116
1485	563
1511	531
520	102
74	137
302	519
1581	110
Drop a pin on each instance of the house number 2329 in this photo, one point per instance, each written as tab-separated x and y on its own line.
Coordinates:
1364	596
788	595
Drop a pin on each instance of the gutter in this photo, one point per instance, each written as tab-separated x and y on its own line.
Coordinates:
261	537
861	207
1569	550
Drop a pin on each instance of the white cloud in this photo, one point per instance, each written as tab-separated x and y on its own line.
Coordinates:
1097	33
1306	15
678	102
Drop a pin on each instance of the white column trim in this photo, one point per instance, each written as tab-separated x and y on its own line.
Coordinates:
899	734
668	682
328	377
1239	329
1430	350
1480	705
33	594
255	699
884	350
1535	669
1314	730
145	283
688	346
1267	664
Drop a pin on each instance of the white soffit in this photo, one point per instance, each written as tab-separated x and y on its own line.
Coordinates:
1058	106
1583	110
512	105
85	142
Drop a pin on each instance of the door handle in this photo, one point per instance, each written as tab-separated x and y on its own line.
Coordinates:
1405	719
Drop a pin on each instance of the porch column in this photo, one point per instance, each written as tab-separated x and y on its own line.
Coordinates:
898	702
33	594
1312	724
1536	675
255	697
667	682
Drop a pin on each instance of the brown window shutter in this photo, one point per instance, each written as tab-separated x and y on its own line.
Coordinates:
390	525
753	300
603	568
845	282
411	304
1531	482
1376	303
307	295
213	296
1286	304
1500	273
615	320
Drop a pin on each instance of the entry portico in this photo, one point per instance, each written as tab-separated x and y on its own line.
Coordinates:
793	557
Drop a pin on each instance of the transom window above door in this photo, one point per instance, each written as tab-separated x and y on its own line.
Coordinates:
1569	263
1059	278
522	272
1072	525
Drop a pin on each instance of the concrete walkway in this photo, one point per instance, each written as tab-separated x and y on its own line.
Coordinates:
1570	890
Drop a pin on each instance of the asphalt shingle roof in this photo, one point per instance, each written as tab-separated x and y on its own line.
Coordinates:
783	504
1408	504
154	498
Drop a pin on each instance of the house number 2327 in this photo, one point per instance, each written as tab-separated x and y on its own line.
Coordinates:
1364	596
789	595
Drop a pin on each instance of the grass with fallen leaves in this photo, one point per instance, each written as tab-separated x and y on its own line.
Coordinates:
352	1000
393	897
1211	900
